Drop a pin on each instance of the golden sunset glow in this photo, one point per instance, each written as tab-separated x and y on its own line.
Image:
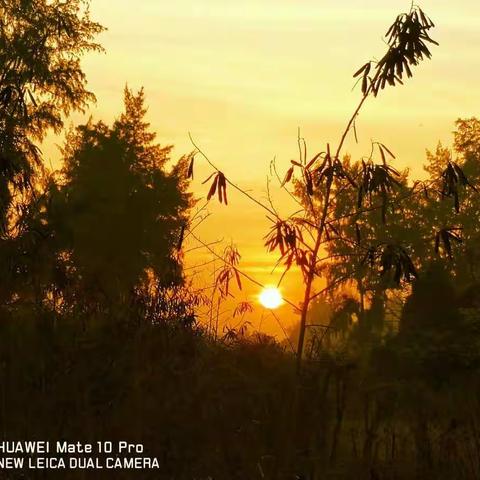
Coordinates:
242	236
270	298
243	77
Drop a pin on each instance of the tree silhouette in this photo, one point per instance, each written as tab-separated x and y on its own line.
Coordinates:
430	225
41	81
324	177
118	212
318	180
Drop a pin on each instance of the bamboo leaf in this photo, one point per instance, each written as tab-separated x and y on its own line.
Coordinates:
190	168
288	176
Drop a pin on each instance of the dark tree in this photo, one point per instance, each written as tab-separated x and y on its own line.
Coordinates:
41	81
119	213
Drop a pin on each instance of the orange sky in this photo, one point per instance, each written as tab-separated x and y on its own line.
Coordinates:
243	76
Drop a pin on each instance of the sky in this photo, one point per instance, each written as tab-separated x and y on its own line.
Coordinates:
243	76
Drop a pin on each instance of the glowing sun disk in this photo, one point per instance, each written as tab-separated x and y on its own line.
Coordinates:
270	298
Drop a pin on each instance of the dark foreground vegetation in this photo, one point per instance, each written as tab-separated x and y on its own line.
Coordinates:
100	332
237	410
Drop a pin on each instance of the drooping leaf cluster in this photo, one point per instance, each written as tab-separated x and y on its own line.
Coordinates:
408	39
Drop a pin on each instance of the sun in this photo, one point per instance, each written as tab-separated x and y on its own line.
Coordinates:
270	298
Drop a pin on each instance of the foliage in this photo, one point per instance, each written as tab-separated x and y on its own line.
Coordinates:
41	80
340	200
117	210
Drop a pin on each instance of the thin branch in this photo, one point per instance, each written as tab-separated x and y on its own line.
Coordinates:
335	283
216	242
280	181
193	267
351	121
243	274
283	330
234	185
